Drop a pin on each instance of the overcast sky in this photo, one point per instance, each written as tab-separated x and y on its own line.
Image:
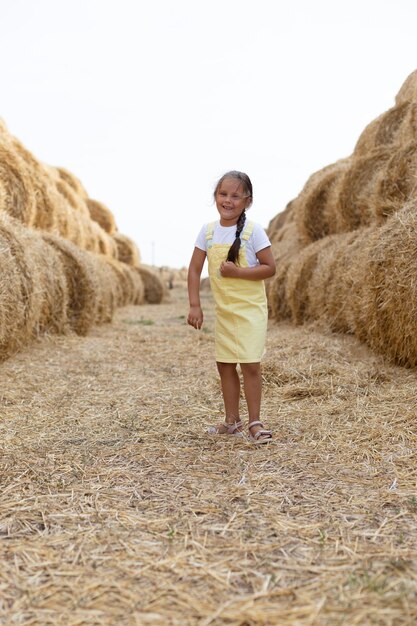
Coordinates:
148	102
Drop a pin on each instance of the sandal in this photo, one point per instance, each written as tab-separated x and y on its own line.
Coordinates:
231	429
262	436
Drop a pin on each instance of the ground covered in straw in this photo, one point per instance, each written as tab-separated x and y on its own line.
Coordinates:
117	508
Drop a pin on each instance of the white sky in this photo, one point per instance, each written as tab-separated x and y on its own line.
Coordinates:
149	102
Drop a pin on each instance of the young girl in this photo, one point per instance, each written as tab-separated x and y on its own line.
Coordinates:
240	258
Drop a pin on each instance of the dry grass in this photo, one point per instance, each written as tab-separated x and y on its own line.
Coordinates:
117	508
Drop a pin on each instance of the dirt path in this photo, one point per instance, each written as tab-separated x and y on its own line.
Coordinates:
117	508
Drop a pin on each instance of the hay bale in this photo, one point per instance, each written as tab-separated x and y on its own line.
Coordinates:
154	291
138	286
325	278
279	221
385	131
71	180
33	288
82	283
278	306
47	200
285	247
339	287
21	298
408	90
356	189
108	289
396	183
75	201
298	279
317	205
127	251
389	292
131	289
102	215
17	197
104	243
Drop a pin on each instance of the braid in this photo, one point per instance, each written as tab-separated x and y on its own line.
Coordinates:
233	253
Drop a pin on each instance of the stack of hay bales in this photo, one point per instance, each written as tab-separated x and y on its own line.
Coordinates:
64	265
345	247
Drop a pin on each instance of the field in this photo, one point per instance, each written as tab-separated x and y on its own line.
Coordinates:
117	508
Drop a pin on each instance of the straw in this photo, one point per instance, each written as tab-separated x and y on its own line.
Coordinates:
116	507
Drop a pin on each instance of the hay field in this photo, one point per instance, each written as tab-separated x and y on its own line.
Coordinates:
117	508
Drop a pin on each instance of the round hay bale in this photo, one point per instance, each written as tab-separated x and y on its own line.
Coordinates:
281	219
356	189
79	230
154	291
82	283
72	181
389	288
54	312
20	305
49	205
127	251
287	242
285	247
102	215
360	310
139	286
33	287
340	285
278	306
385	131
109	292
299	275
17	197
100	241
408	90
318	205
396	183
76	202
46	197
131	289
322	277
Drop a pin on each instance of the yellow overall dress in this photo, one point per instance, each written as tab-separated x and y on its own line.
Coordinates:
241	306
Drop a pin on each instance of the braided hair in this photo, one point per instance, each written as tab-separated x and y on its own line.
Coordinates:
244	180
233	253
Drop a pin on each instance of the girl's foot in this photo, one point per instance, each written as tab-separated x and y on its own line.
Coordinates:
258	434
234	428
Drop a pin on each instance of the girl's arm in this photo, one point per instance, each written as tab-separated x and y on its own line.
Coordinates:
195	315
265	269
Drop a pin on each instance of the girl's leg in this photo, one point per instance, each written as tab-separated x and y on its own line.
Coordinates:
252	382
231	391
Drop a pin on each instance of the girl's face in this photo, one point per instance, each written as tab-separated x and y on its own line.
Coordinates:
231	200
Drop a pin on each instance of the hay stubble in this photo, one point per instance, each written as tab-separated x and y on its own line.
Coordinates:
116	507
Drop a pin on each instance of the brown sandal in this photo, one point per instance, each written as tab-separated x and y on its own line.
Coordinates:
262	436
231	429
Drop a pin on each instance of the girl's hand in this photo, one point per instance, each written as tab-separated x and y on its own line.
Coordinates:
195	317
229	269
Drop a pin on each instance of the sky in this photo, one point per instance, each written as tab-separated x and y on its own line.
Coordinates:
149	102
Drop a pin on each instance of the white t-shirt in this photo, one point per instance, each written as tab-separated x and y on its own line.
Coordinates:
257	241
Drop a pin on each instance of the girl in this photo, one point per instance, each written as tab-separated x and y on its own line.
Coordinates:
240	258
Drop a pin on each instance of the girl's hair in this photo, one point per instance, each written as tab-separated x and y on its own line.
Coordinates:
245	182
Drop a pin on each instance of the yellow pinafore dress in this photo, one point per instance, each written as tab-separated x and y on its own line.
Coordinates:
241	306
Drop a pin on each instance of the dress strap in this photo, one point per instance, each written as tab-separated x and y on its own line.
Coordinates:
209	234
247	231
